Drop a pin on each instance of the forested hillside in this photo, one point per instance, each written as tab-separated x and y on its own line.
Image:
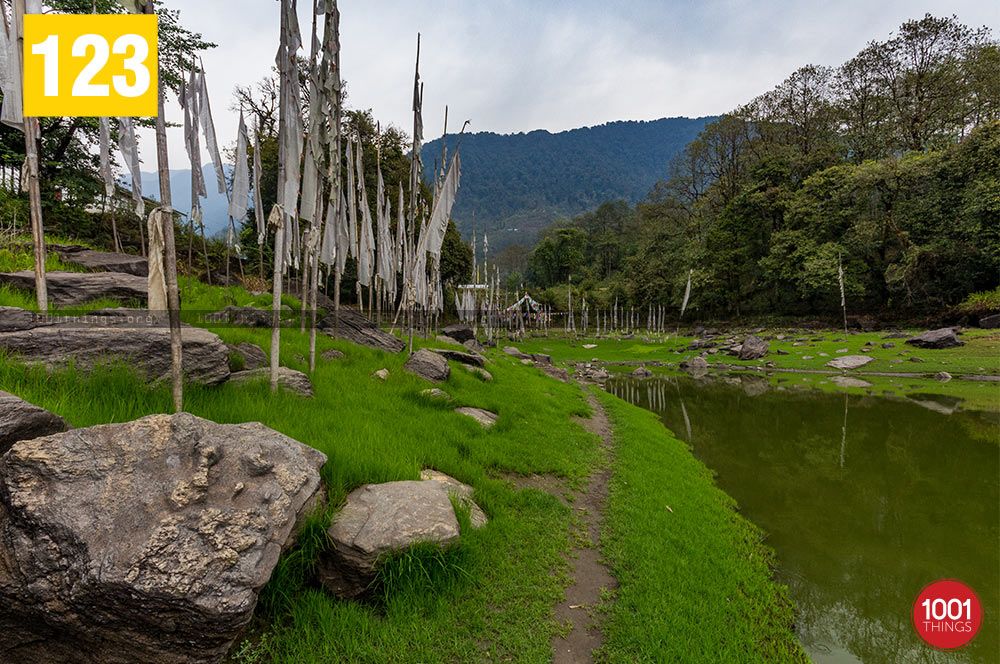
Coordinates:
516	185
888	165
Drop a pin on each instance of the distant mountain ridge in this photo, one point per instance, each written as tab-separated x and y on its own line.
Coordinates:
215	208
515	185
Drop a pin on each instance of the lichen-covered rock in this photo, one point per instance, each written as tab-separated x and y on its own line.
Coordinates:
290	379
379	519
428	365
20	420
146	541
937	339
381	374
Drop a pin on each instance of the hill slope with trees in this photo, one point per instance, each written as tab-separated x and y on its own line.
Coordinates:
515	185
887	165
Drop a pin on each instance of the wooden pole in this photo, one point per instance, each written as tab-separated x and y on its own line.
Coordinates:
169	251
31	134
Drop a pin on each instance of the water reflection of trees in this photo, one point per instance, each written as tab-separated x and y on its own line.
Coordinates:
915	499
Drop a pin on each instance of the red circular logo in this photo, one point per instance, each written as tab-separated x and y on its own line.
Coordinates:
947	614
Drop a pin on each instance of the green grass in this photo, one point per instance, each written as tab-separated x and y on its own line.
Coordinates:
15	259
492	597
695	576
979	355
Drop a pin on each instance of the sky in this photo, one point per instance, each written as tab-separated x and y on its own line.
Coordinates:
517	65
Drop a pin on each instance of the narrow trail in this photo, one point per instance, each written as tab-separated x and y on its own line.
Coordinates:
589	573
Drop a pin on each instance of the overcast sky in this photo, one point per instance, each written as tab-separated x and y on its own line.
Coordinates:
518	65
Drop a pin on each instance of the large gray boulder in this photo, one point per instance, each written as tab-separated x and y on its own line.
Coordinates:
290	379
146	541
352	326
428	365
460	332
75	288
850	362
102	261
381	519
943	338
753	348
55	343
459	491
20	420
472	359
990	322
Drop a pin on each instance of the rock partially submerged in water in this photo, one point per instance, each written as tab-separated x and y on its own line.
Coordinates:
850	361
641	372
381	519
943	338
146	541
753	348
847	381
20	420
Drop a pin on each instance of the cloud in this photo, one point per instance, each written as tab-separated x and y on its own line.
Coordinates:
519	65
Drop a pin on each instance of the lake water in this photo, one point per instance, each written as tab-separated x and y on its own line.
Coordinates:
865	499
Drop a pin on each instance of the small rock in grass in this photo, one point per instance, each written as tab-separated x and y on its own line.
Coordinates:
888	345
428	365
378	520
435	394
293	380
332	354
915	359
590	346
381	374
642	372
479	372
841	351
937	339
823	354
484	417
942	376
850	362
807	357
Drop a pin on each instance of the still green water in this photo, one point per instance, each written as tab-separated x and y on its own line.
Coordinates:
865	500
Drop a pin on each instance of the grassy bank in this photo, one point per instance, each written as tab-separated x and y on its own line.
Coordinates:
695	576
695	581
979	356
491	598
